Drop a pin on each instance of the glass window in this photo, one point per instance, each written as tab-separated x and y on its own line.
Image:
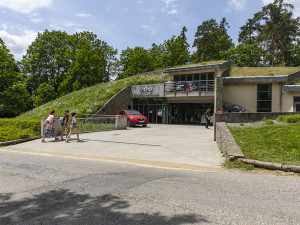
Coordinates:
297	107
143	101
264	98
189	77
176	78
296	99
183	77
196	76
211	76
203	76
152	100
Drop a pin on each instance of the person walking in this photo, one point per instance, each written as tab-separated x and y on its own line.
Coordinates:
207	117
73	126
49	124
64	124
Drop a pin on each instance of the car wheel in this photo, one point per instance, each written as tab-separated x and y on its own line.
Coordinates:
145	125
128	123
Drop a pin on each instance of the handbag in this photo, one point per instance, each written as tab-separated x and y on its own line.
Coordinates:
49	126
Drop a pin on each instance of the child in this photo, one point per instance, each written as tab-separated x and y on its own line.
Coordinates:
73	126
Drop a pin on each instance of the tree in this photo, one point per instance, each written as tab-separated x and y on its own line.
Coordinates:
274	30
211	39
44	94
134	61
176	50
244	55
14	98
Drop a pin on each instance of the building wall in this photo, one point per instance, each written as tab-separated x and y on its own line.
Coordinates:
288	100
244	95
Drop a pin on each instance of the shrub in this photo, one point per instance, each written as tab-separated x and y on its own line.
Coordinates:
289	119
269	122
12	129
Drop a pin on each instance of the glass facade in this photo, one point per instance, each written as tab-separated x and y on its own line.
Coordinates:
297	104
264	98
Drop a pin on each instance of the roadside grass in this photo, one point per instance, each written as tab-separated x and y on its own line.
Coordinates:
13	129
90	100
261	71
276	143
239	165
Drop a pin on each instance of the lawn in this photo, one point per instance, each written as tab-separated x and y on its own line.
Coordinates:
262	71
271	143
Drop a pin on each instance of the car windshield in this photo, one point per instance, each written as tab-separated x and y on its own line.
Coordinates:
133	112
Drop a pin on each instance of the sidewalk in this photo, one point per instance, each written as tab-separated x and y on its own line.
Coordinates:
159	145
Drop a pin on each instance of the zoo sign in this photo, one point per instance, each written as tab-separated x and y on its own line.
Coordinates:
146	91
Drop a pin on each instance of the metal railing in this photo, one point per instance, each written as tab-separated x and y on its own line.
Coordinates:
97	123
189	86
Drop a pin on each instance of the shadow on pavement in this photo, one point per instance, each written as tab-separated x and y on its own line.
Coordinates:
65	207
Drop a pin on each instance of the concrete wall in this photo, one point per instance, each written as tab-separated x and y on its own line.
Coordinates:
244	95
288	100
240	117
118	102
227	143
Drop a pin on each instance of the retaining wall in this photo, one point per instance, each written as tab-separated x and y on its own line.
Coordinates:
227	143
244	117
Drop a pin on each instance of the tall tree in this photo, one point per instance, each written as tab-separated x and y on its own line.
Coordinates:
211	39
275	30
14	98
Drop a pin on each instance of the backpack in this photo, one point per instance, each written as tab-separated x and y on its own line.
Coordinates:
61	119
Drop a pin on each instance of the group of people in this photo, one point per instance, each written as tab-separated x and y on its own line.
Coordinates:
51	131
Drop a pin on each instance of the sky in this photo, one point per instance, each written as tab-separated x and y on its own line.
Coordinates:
121	23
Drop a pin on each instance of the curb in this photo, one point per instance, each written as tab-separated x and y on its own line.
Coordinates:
13	142
270	166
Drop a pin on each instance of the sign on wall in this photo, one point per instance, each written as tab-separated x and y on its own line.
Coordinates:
147	91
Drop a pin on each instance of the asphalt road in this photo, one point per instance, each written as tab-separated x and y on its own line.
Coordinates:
38	189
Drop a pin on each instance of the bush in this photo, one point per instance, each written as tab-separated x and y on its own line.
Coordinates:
269	122
289	119
12	129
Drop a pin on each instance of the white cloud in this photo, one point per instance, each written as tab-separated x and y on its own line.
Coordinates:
236	5
4	26
36	20
295	3
18	44
173	11
152	30
25	6
168	2
83	15
71	24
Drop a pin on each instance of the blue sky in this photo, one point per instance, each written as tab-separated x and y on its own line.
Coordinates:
120	23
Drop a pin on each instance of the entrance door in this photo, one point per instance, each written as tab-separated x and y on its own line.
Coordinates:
152	114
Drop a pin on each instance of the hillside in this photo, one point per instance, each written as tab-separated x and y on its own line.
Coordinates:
91	99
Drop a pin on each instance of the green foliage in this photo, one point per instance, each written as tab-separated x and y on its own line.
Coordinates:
211	39
244	55
274	30
13	129
44	94
277	143
67	62
269	122
289	119
242	124
239	165
90	100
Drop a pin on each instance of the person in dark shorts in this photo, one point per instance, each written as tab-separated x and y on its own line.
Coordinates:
64	124
73	126
207	117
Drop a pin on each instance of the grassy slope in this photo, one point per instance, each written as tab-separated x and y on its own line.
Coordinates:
89	100
262	71
275	143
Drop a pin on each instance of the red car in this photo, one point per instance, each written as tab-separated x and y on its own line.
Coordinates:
134	117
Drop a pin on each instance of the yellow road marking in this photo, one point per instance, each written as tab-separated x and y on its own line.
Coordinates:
115	159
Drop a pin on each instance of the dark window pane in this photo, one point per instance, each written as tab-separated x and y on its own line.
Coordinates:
152	100
264	87
210	76
183	77
189	77
264	106
297	107
296	99
143	101
203	76
176	78
264	96
196	76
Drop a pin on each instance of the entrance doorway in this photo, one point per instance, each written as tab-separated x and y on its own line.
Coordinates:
188	113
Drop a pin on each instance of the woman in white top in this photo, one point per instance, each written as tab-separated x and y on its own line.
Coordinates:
73	126
50	130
